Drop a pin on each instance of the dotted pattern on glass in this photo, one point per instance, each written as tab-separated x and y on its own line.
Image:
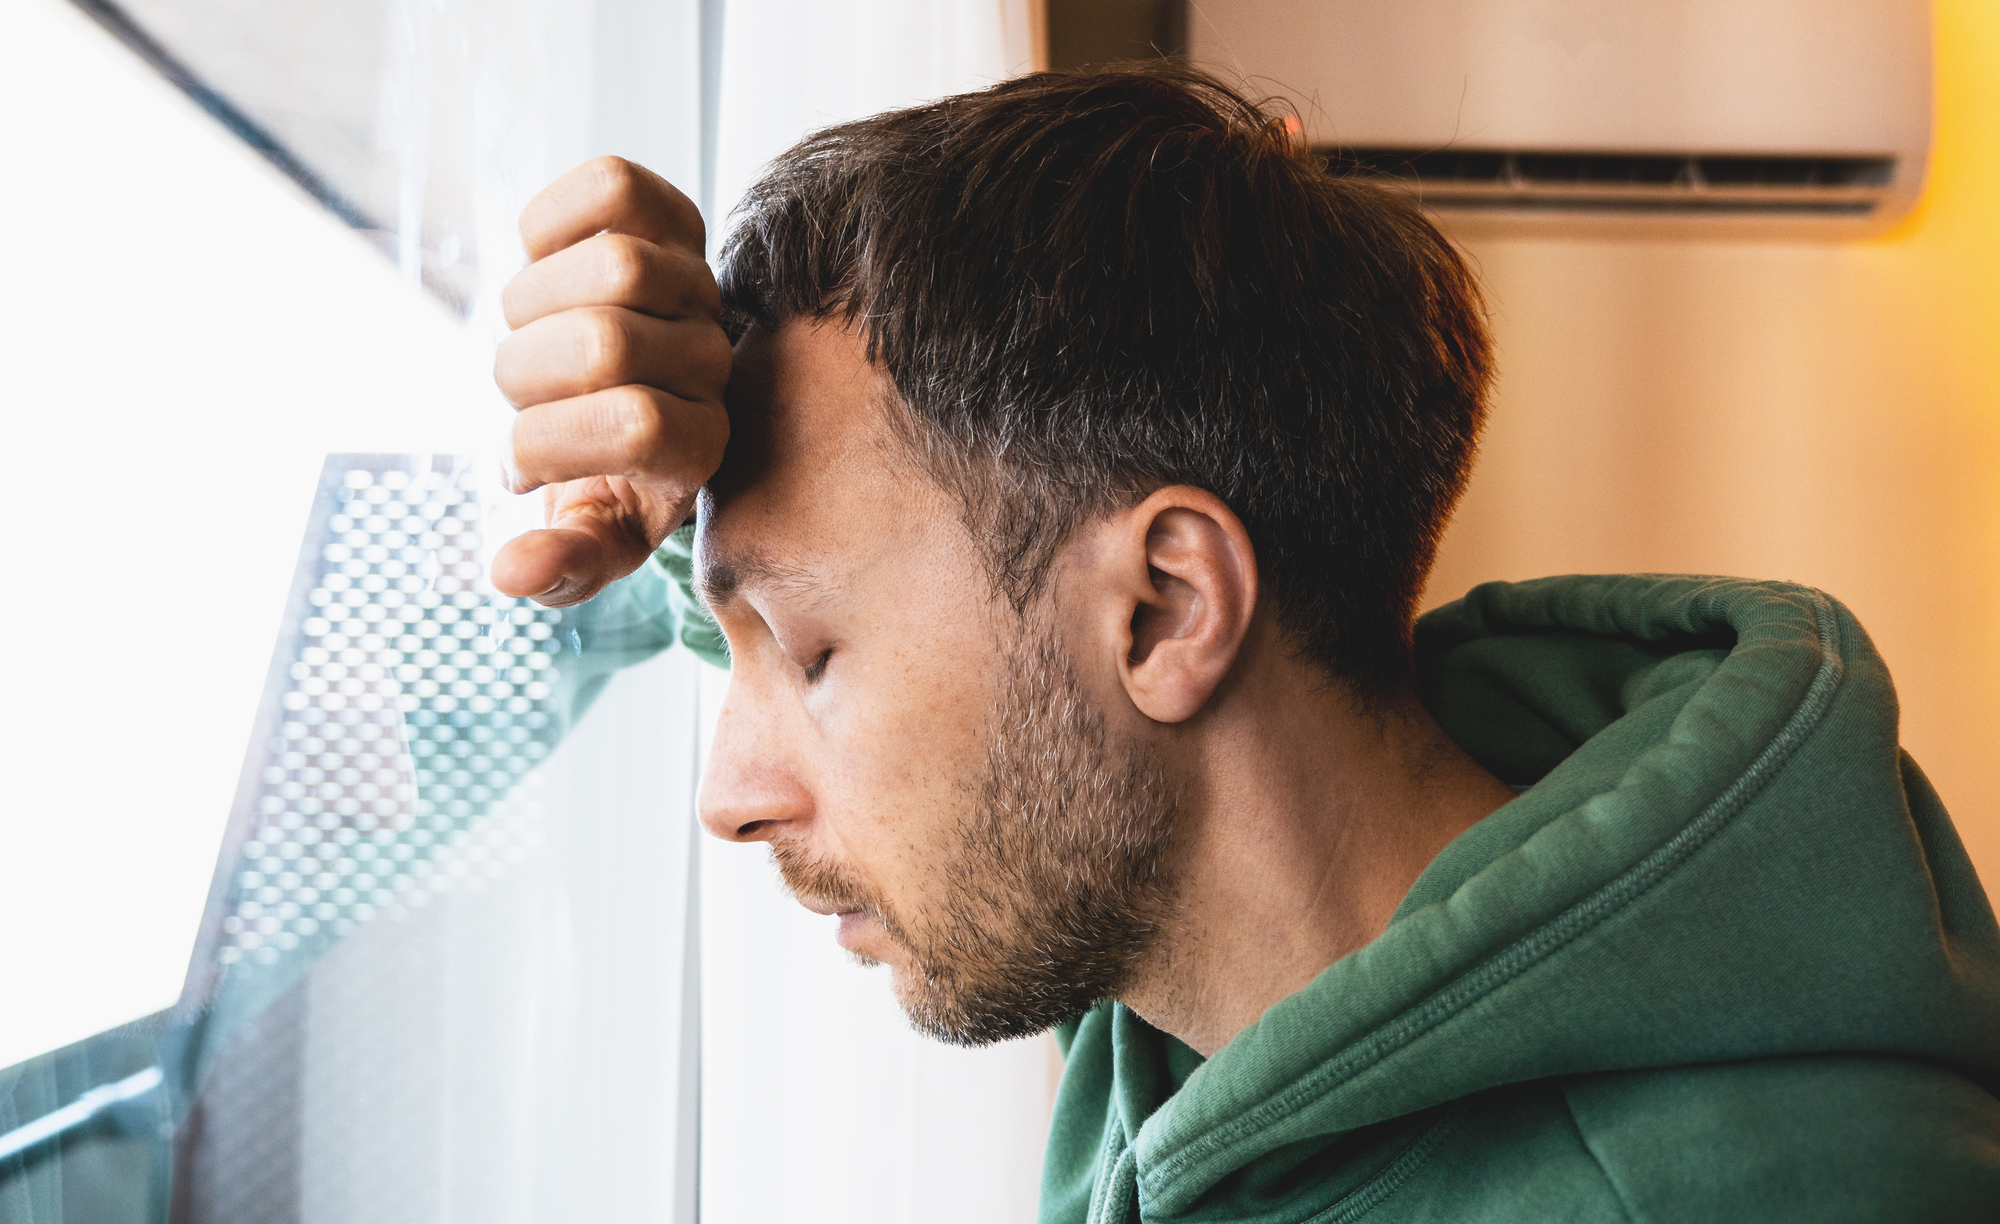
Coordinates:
415	713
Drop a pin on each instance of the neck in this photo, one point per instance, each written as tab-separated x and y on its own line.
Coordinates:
1306	821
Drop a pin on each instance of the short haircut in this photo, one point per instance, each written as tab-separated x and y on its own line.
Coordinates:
1088	286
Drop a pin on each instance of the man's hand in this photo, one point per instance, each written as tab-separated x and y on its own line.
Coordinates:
617	365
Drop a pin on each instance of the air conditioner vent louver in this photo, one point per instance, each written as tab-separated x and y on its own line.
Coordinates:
1625	120
1525	180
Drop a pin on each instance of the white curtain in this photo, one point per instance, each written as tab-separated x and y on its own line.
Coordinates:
790	66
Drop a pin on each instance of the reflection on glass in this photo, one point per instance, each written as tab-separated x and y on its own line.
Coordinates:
446	971
427	125
414	706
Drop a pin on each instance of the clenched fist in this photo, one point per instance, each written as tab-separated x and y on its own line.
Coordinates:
617	365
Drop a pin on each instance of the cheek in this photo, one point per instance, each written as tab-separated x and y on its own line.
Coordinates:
904	758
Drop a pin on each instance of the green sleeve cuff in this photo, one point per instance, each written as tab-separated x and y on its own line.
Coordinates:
697	629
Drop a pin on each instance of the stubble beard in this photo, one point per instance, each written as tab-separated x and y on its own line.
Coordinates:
1055	882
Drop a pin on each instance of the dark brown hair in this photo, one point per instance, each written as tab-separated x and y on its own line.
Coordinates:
1087	286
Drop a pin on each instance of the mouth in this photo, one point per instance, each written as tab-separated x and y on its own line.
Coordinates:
855	921
853	925
821	889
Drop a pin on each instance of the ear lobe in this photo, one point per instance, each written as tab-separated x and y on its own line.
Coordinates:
1193	610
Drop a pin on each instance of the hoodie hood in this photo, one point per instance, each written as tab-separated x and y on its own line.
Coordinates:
1722	855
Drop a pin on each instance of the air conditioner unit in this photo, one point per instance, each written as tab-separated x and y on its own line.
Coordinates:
1693	118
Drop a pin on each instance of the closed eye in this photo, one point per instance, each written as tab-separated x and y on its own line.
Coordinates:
817	668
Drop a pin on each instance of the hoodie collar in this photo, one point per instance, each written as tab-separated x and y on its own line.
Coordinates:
1658	875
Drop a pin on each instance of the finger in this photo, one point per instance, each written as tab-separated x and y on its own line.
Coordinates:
610	193
614	270
558	567
640	433
600	530
597	348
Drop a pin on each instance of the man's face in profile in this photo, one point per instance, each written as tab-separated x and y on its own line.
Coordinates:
926	763
1010	694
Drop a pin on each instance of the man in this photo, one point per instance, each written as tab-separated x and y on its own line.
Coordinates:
1086	447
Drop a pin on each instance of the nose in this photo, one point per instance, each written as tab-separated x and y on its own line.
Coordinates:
749	791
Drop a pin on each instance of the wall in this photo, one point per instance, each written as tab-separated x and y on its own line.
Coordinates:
1084	32
1823	413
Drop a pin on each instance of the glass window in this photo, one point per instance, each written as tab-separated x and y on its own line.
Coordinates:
436	964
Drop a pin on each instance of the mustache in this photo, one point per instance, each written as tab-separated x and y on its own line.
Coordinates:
811	880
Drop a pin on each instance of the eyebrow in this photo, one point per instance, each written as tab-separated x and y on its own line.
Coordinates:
723	576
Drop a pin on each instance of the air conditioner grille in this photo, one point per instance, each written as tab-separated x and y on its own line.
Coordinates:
1621	182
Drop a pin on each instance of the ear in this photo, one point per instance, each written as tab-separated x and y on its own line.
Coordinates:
1186	577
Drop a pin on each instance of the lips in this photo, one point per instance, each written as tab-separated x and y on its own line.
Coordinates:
817	885
851	929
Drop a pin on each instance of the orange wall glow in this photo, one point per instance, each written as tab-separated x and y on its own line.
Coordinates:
1818	412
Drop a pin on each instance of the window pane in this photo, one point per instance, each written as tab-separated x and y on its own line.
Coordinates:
192	337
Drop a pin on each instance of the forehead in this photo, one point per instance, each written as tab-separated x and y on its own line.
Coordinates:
814	476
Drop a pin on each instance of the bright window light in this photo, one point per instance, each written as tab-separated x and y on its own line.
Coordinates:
186	336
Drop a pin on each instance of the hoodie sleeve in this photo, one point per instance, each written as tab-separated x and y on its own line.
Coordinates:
630	621
696	629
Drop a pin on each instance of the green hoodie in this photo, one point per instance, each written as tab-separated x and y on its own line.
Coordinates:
1723	959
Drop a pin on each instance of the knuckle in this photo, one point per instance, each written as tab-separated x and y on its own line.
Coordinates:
712	357
617	180
515	303
607	347
714	439
706	294
688	225
641	432
625	270
507	367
